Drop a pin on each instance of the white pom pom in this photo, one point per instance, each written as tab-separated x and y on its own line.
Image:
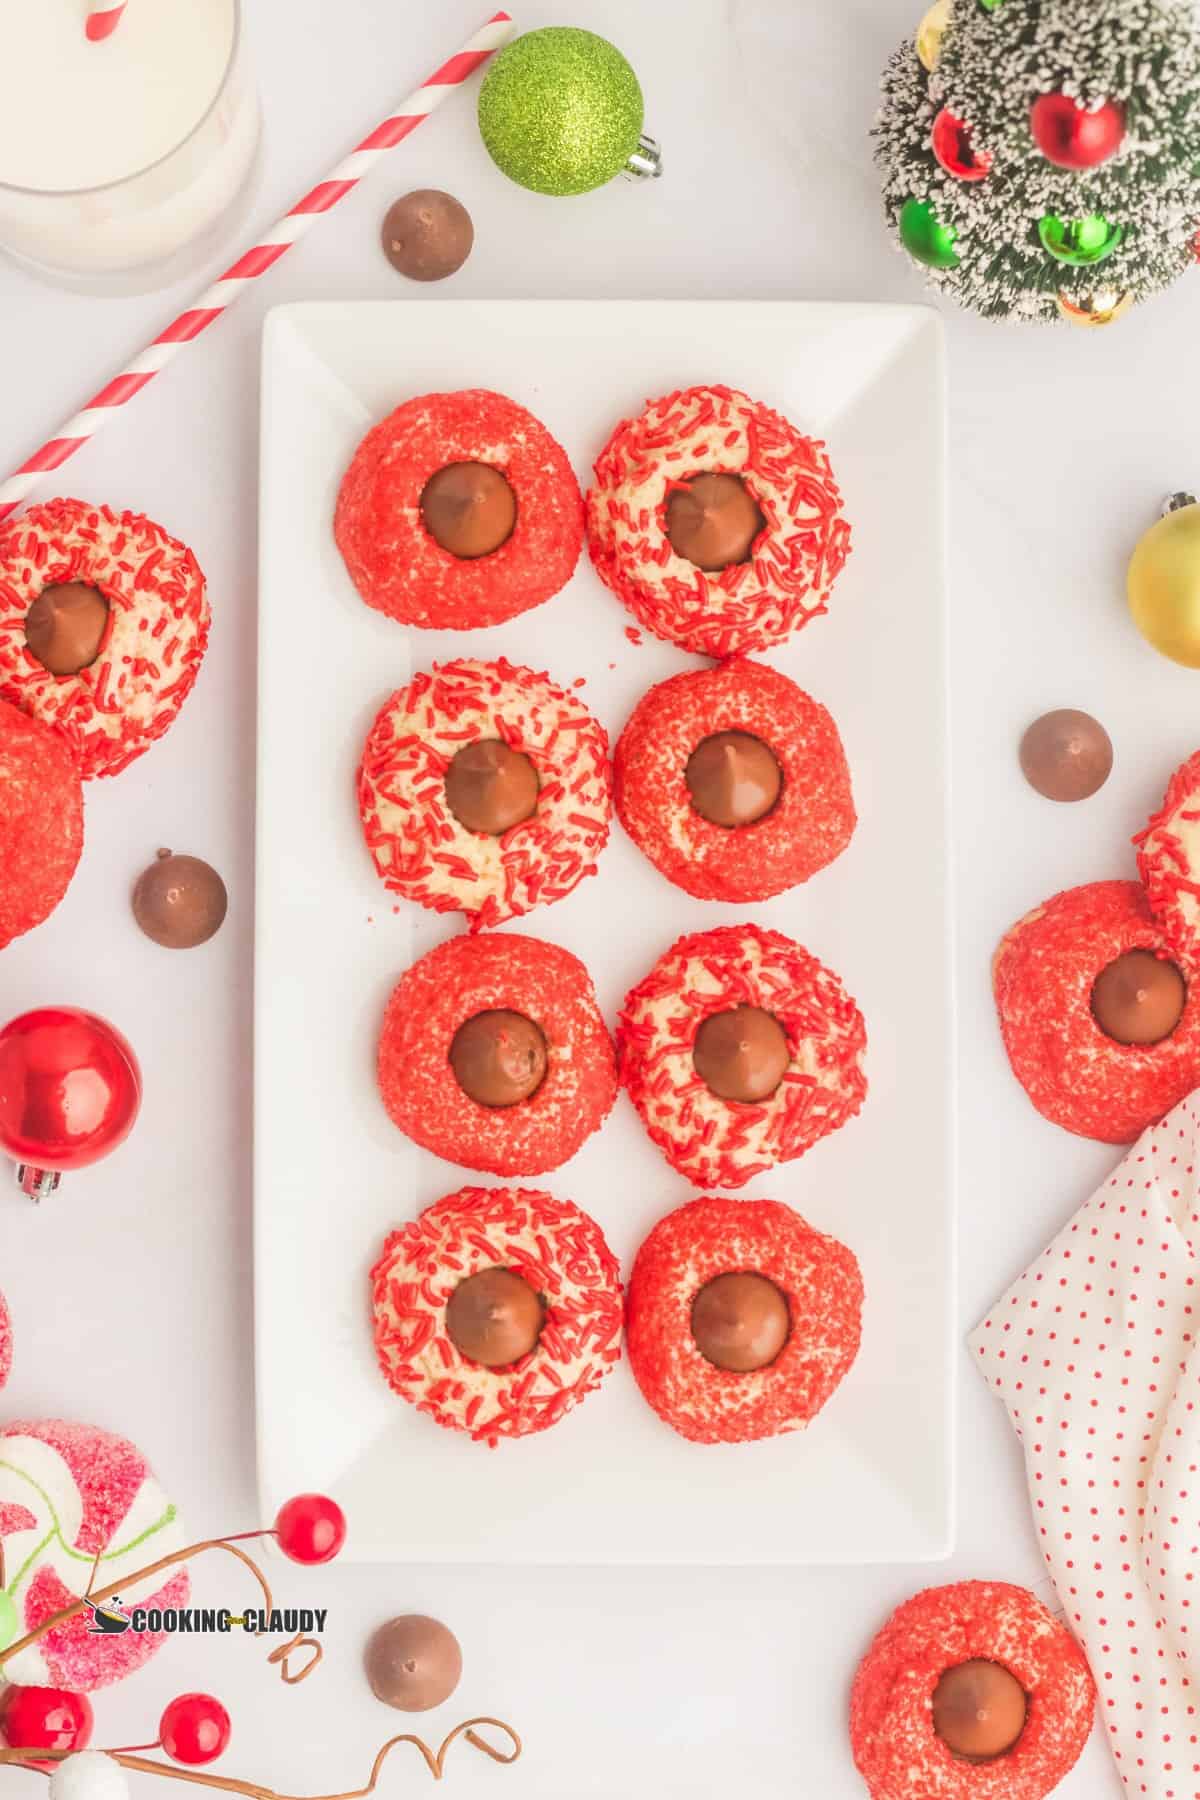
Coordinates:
89	1775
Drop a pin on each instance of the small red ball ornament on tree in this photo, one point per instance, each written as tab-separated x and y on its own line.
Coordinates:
1074	137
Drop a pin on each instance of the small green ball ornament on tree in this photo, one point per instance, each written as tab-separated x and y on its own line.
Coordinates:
1041	158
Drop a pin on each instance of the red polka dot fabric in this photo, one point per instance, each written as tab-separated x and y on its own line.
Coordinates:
1093	1353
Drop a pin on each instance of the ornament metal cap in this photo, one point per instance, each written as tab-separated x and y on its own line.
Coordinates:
646	162
39	1184
1176	503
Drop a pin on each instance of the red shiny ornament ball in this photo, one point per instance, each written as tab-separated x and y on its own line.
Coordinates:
310	1528
42	1718
194	1728
950	142
70	1088
1071	138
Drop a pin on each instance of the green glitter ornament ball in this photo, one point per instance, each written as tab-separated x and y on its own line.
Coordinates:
560	110
10	1624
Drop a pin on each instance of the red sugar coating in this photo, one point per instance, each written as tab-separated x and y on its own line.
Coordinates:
558	1249
74	1491
6	1341
41	821
401	570
469	975
1043	974
810	824
795	560
692	1246
154	644
419	847
723	1143
896	1749
1169	863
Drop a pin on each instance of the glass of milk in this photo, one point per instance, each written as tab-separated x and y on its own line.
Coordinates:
121	161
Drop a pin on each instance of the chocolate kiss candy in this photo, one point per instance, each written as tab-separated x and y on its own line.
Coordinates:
740	1322
1066	755
490	788
713	521
469	509
742	1054
413	1663
65	627
733	778
494	1318
1139	998
179	901
427	234
979	1710
499	1058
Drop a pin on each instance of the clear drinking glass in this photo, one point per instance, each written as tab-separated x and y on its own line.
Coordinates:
160	221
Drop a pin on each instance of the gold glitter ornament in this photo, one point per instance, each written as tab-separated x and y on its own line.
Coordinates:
561	111
930	33
1163	582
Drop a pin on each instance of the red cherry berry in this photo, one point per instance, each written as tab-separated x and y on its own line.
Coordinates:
194	1728
42	1718
951	144
1071	137
310	1528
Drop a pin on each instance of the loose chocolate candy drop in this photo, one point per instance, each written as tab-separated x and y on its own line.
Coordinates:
733	778
742	1054
1139	998
499	1058
494	1318
740	1322
979	1710
413	1663
469	509
1066	755
427	234
490	788
713	521
179	901
65	626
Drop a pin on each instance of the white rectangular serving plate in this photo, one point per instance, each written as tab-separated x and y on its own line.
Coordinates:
871	1480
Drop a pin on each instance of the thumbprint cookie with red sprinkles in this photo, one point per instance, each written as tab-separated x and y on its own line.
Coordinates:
741	1320
6	1341
103	626
485	789
494	1054
970	1692
1101	1026
733	782
497	1310
1169	863
459	510
740	1051
41	821
717	523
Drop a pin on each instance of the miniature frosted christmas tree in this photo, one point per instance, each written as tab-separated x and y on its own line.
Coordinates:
1041	158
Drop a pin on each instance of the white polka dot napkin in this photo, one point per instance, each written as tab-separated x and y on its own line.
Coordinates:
1093	1353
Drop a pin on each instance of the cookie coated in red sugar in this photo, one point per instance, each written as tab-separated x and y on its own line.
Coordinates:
395	562
497	973
420	847
809	824
697	1243
1043	975
552	1245
792	563
723	1143
1169	863
896	1748
41	821
153	640
6	1341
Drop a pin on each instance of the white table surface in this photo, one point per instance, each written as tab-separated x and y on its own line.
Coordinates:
132	1289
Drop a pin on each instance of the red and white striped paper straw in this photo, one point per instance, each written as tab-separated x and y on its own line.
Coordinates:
254	264
102	21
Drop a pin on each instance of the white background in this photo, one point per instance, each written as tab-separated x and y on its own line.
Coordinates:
131	1290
